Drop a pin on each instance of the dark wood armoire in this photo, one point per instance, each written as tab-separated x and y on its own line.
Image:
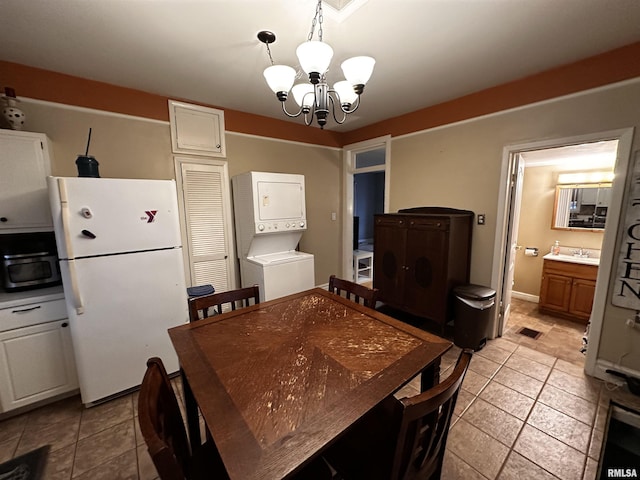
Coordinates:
420	255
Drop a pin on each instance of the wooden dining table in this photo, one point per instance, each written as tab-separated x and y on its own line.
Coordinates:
277	382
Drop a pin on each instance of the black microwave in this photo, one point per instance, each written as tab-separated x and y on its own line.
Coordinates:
29	261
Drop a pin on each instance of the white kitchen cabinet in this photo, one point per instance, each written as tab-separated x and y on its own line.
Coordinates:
589	196
36	360
196	130
604	197
25	164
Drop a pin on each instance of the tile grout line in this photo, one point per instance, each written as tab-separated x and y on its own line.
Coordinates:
75	447
524	423
592	429
476	396
536	400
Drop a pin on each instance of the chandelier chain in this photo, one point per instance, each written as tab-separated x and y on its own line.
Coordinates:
317	19
269	52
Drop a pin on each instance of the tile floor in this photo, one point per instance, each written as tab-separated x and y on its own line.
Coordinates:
526	410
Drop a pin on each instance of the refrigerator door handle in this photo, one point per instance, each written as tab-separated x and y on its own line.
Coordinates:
64	211
75	288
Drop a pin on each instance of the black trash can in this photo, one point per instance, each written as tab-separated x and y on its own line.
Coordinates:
473	310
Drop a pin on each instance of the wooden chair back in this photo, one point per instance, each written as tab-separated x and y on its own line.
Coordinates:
161	423
425	425
216	301
401	439
361	294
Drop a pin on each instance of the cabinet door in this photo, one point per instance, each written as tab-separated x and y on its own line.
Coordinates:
604	196
390	236
36	363
197	130
582	293
555	292
589	196
206	215
425	276
24	163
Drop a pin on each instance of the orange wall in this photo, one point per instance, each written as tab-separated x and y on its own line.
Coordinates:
610	67
66	89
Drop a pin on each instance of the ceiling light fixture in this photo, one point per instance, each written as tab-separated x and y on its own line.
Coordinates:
315	97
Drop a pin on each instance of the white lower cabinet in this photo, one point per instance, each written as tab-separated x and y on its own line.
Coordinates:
36	363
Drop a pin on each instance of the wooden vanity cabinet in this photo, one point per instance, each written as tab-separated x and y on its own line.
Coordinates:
419	256
567	289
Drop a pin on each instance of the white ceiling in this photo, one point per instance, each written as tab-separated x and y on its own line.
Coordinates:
586	156
427	51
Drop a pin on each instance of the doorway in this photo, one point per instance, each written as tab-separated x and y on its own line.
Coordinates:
508	210
366	193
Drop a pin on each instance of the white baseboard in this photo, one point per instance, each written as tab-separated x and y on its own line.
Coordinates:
526	297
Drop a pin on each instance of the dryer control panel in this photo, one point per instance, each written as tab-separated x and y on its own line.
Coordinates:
273	227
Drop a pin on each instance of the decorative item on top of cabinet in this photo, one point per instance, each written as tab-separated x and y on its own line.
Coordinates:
197	130
567	289
420	254
13	116
25	164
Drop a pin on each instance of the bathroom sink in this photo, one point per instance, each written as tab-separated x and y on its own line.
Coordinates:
573	259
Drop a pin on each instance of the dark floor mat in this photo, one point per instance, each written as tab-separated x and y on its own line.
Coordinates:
29	466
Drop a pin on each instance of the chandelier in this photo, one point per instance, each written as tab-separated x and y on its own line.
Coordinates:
316	98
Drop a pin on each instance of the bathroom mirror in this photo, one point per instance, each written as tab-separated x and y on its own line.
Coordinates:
581	207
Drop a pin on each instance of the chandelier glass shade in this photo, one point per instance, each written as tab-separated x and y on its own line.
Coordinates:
315	98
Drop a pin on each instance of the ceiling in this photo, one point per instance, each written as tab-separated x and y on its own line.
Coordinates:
585	156
206	51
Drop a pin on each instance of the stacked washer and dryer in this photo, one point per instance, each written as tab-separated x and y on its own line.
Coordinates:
270	217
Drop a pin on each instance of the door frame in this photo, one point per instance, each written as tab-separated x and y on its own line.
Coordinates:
513	204
500	253
349	153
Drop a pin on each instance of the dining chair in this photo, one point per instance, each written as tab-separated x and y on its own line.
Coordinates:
217	301
164	432
401	439
359	292
199	307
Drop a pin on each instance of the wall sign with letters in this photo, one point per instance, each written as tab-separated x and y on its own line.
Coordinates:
626	292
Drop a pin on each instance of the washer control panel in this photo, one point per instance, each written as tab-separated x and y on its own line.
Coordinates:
286	226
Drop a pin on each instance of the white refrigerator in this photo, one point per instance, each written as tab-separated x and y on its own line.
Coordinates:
122	270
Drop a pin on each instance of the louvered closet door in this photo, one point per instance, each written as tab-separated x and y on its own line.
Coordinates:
206	206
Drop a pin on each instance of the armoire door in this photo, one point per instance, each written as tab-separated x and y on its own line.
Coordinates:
425	288
390	235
